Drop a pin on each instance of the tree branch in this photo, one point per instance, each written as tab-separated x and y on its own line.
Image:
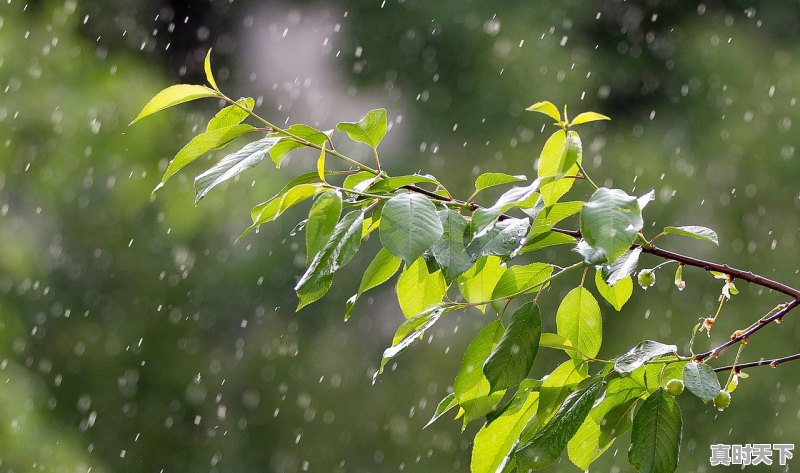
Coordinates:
734	273
708	266
746	334
774	362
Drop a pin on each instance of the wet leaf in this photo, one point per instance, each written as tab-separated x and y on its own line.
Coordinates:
696	232
641	353
656	435
547	445
232	165
202	144
610	221
409	226
410	330
512	358
701	380
343	244
450	251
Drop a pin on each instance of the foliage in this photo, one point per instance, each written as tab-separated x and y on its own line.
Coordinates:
454	255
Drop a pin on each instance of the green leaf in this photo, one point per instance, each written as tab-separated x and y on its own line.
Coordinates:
484	217
546	240
554	340
641	353
590	254
409	225
550	164
517	278
512	358
557	386
491	179
549	216
622	267
209	74
646	199
322	219
477	283
354	180
701	380
174	95
570	154
417	289
313	291
587	117
393	183
272	209
472	389
547	445
231	115
447	403
232	165
369	130
578	320
610	221
503	239
343	244
616	295
696	232
656	436
321	164
546	108
304	132
202	144
655	376
595	436
450	251
495	441
410	330
378	272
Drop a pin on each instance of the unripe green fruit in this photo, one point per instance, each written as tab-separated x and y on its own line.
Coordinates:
675	387
722	400
646	278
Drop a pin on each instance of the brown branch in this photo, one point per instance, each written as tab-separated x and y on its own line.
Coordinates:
708	266
734	273
746	334
774	362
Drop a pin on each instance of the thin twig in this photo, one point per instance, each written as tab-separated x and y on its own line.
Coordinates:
753	329
774	362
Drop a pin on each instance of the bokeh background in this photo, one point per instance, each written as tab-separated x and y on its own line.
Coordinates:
135	336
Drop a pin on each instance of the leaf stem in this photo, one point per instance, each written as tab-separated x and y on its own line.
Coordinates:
586	176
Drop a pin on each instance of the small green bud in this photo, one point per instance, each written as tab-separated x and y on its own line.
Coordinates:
675	387
646	278
679	283
722	400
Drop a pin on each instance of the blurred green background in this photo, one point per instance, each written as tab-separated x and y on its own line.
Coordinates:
136	337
